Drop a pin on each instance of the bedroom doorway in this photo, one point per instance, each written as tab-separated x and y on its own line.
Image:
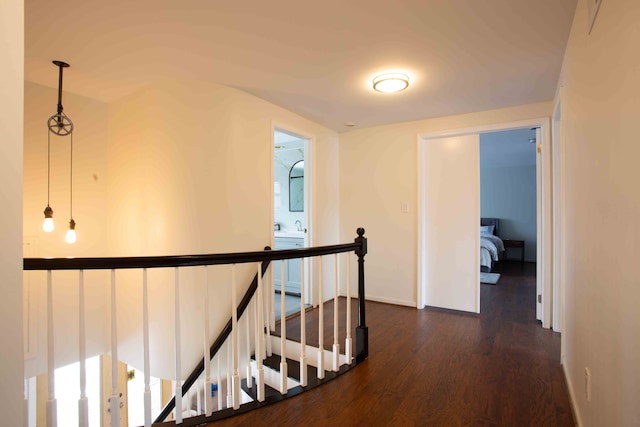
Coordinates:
508	191
508	204
465	295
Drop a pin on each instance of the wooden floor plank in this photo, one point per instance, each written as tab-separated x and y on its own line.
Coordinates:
439	368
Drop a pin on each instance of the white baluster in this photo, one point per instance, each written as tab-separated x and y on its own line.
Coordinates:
208	400
219	377
198	396
52	406
259	338
145	345
272	295
114	400
320	323
83	403
348	342
283	333
268	298
234	340
178	383
229	373
303	330
336	344
247	321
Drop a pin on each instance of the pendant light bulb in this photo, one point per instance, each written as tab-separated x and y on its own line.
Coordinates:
47	225
71	233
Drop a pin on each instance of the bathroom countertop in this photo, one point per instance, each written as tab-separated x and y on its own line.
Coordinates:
284	233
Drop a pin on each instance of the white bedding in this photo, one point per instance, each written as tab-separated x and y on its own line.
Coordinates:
490	248
485	258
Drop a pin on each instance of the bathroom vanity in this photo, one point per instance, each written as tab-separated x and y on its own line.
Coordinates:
292	272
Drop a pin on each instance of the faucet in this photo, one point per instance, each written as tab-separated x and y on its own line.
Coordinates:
298	225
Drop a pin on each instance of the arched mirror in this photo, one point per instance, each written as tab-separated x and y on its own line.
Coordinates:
296	187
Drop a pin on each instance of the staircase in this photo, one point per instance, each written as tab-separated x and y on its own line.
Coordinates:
254	361
259	373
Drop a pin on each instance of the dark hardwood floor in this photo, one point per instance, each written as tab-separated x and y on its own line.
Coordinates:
439	368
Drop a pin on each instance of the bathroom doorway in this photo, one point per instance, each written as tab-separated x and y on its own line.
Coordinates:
291	219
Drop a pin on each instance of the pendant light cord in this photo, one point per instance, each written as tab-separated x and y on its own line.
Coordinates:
48	164
71	179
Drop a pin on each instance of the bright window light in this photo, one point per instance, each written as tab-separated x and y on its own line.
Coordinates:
135	397
68	392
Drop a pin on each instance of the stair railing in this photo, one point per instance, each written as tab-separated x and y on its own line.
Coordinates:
257	294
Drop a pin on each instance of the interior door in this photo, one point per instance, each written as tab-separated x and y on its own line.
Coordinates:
452	222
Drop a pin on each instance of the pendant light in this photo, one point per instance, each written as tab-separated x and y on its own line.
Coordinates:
60	124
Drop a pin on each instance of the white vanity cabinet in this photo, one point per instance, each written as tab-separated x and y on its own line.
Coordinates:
291	266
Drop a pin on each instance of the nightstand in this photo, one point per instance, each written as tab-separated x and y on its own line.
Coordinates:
518	244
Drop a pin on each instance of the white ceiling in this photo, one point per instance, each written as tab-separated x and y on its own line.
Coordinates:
313	58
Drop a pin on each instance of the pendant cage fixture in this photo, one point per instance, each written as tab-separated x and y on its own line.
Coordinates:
61	125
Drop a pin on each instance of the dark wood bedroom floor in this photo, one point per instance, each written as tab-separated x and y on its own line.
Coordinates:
439	368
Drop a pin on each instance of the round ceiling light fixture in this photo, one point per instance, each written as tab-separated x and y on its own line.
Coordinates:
390	82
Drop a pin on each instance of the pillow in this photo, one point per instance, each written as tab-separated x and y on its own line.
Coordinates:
487	229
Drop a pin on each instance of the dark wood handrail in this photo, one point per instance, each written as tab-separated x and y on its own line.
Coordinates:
120	263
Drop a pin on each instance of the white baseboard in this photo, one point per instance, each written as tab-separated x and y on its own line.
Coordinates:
390	301
572	396
384	300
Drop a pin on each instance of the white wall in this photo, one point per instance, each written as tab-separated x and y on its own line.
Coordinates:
189	167
601	107
178	168
378	173
11	117
509	193
89	171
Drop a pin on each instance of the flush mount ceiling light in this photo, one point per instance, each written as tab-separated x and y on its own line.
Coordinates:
390	82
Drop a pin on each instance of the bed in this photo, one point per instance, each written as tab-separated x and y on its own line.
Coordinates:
491	246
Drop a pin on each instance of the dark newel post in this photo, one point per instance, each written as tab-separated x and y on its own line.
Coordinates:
362	332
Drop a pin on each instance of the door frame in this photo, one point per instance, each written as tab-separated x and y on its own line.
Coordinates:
545	243
558	179
309	193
